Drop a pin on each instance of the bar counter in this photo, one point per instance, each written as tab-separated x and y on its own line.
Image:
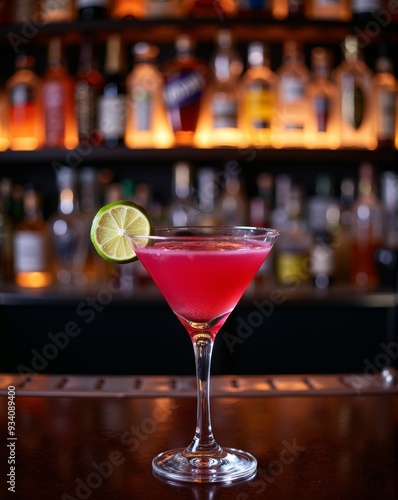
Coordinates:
317	437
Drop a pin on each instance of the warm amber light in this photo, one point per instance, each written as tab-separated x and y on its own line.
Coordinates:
24	144
37	279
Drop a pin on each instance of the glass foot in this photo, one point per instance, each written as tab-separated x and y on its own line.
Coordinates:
231	465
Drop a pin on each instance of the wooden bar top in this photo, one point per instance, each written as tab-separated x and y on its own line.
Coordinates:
337	447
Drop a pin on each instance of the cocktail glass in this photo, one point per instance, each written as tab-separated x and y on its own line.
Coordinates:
202	273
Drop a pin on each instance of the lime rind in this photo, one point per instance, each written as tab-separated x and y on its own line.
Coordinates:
110	227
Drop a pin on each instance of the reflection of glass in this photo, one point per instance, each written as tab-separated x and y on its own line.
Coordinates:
202	273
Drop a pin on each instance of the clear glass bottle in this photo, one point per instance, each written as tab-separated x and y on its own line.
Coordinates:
207	194
218	120
232	204
292	111
385	102
31	257
69	236
323	215
354	92
23	96
328	9
367	230
58	101
183	209
185	79
323	130
111	103
89	83
258	96
54	11
146	121
292	259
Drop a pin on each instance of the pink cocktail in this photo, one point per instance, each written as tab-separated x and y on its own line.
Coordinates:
202	273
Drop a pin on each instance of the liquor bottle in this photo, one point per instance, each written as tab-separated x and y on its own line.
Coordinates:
218	119
329	9
207	193
292	111
56	10
31	257
128	9
258	96
257	8
163	9
112	100
89	10
385	99
88	86
68	232
183	208
323	215
367	230
95	268
342	236
185	79
260	205
354	90
23	95
146	121
58	111
292	259
232	204
323	130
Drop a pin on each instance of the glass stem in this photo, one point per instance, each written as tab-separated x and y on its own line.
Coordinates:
203	441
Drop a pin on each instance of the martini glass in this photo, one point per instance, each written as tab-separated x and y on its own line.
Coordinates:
202	273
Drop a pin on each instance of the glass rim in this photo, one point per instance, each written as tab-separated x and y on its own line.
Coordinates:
207	232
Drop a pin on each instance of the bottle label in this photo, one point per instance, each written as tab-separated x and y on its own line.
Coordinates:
353	102
386	107
29	252
290	266
21	95
142	109
85	101
225	113
54	112
293	89
260	105
321	108
111	116
183	89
